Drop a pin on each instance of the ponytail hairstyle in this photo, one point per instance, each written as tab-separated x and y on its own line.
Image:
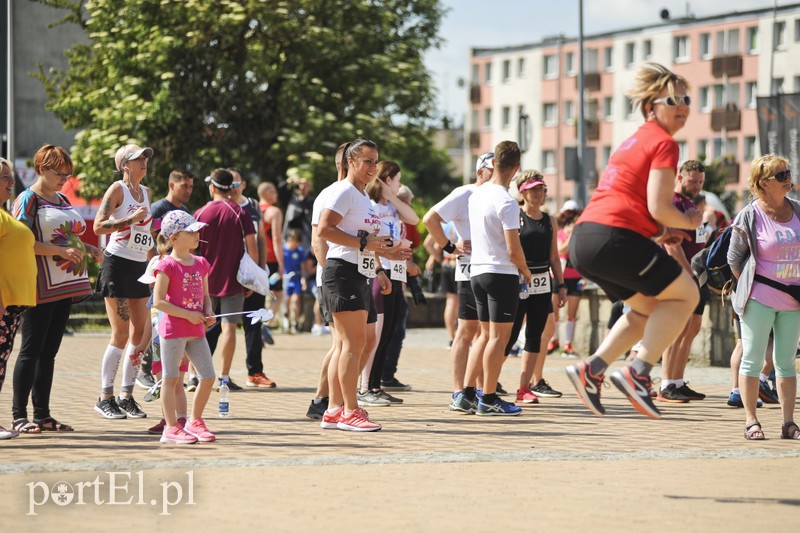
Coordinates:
386	171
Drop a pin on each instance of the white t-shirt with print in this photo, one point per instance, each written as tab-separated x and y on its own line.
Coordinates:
390	225
357	214
455	208
491	213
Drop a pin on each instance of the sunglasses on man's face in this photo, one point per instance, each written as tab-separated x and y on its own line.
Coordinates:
782	177
673	101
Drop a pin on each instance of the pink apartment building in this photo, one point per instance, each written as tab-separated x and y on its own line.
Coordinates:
529	92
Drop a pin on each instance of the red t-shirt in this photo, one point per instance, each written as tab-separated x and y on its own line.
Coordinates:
620	199
222	244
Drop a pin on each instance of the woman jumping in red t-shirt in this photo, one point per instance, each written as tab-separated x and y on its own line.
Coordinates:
616	240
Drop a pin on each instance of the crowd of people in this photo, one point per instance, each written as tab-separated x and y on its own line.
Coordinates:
173	294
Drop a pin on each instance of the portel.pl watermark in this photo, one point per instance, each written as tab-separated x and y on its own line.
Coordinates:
112	488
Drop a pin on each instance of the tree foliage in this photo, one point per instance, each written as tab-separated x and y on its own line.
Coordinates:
269	86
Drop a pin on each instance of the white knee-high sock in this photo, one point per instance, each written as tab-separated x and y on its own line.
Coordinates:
570	331
128	370
108	370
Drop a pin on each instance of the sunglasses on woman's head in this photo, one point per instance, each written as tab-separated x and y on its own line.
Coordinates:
782	177
673	101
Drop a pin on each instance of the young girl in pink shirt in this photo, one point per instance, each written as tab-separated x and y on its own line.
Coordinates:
181	294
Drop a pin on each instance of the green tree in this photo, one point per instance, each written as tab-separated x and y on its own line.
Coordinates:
270	86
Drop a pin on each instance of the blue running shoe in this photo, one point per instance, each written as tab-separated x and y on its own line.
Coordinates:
766	393
497	408
459	402
735	400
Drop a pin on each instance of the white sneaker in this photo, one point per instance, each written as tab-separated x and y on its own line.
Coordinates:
316	330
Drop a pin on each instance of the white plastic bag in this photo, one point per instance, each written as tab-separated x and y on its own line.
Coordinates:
251	276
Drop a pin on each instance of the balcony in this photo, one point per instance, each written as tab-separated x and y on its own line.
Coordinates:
728	118
475	94
730	169
591	81
730	65
592	129
474	139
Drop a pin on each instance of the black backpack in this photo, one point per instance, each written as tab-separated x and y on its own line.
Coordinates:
719	275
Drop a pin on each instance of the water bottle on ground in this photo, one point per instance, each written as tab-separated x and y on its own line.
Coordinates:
224	400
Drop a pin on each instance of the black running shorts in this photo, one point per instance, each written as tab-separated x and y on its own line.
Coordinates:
622	262
496	296
467	309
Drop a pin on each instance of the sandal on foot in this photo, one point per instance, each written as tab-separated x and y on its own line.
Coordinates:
23	425
754	432
790	431
51	424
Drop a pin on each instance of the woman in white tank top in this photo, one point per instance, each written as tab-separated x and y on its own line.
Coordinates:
125	215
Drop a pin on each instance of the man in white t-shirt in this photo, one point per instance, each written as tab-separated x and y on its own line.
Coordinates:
497	267
454	208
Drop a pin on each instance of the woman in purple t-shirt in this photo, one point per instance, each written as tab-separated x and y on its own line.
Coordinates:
764	255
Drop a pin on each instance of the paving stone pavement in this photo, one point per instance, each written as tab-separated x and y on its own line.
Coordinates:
428	469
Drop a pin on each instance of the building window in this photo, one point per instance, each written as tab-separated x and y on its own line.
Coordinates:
608	59
591	110
752	40
606	156
733	94
608	107
680	49
797	84
487	118
630	55
630	110
717	148
590	61
521	67
750	93
749	148
506	117
569	112
797	29
549	161
732	147
732	42
507	70
550	113
647	53
682	151
705	46
474	123
700	154
476	74
779	35
777	86
703	98
487	72
550	66
719	96
570	64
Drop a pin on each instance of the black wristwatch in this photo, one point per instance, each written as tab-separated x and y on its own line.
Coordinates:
363	235
449	247
379	270
561	286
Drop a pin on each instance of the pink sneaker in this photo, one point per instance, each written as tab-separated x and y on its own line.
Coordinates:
176	435
525	395
357	421
330	420
158	429
197	428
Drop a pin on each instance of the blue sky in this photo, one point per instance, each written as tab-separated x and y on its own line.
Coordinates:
484	23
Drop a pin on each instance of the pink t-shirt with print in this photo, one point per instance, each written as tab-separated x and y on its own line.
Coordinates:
778	259
186	291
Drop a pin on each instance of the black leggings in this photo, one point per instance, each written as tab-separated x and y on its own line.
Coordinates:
252	335
9	323
536	308
42	329
392	312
